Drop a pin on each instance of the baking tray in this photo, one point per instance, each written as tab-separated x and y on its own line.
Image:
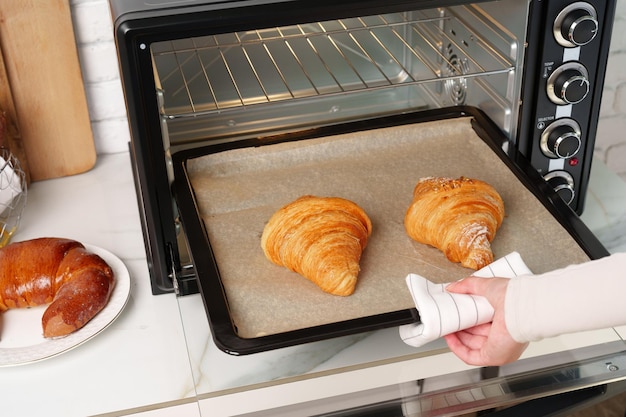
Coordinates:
226	193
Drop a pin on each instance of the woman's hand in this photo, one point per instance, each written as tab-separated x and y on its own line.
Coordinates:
488	344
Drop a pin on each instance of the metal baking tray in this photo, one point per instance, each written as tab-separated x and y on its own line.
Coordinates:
227	191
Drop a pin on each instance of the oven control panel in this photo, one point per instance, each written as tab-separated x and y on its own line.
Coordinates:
569	74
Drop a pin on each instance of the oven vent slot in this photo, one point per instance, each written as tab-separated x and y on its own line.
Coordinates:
396	61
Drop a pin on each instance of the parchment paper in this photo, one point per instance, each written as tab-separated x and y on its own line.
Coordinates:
237	191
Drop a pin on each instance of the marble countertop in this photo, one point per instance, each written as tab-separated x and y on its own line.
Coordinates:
158	357
142	358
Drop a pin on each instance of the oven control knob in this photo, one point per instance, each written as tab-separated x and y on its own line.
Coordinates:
563	184
576	25
561	139
568	84
579	27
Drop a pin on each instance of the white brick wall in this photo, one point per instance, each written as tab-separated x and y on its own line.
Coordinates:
96	49
611	140
94	34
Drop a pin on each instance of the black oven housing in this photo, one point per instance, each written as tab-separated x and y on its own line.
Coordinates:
138	25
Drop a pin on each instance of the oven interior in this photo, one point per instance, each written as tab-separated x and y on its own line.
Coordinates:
234	86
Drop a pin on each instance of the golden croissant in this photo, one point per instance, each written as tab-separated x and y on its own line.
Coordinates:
321	238
458	216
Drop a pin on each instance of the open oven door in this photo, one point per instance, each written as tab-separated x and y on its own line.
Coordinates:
574	380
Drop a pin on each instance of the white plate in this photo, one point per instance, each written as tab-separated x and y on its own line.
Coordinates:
21	336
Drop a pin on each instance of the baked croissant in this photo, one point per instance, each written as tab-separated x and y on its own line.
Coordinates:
321	238
458	216
62	272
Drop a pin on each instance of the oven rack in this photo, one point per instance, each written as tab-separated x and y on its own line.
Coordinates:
218	73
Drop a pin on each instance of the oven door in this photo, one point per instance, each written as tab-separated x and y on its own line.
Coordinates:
580	381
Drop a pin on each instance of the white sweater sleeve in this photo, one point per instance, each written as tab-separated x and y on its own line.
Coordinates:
581	297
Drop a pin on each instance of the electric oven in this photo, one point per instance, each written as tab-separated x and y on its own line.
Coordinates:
237	106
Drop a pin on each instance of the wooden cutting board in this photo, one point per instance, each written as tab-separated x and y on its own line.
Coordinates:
39	50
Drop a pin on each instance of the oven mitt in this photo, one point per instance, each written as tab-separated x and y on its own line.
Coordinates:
442	313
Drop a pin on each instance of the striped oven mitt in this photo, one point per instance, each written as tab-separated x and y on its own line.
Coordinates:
442	313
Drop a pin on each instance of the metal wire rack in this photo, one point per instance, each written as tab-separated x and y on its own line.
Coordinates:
213	74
